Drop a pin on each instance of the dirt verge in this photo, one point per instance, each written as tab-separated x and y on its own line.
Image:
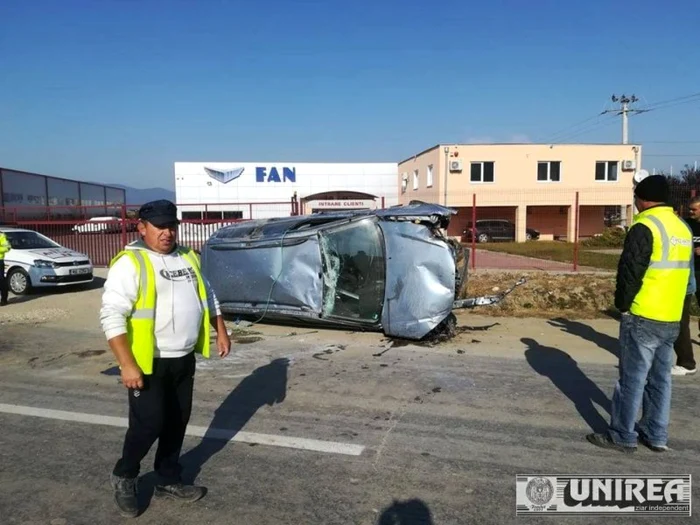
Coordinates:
547	294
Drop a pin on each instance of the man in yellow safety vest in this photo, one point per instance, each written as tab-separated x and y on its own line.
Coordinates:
156	314
4	248
653	277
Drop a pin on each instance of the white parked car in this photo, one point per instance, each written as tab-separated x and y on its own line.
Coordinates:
35	261
98	225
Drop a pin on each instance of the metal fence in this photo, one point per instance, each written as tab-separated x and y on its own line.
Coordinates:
102	231
547	230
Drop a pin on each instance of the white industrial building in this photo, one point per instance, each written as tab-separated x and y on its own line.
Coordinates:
232	190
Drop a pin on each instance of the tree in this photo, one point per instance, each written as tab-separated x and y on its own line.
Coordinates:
683	187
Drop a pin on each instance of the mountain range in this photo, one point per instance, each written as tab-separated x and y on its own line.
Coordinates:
138	196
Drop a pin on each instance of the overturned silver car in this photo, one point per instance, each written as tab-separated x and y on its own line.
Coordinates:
390	270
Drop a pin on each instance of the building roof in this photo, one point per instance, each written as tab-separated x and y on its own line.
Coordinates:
466	145
24	172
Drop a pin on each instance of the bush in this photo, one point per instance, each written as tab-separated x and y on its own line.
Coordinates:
610	238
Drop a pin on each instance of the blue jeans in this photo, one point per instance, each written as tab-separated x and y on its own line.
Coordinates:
646	359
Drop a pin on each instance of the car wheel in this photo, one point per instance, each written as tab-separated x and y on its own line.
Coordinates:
528	236
483	237
18	282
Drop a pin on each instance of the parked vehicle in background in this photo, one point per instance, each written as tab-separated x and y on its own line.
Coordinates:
35	261
488	230
390	269
104	225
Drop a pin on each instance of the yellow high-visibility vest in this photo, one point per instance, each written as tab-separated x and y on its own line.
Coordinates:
141	323
665	282
4	245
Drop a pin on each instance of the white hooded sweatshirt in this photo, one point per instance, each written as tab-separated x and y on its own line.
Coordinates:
178	308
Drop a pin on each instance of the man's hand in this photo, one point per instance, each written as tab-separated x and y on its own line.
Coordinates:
223	343
697	250
132	377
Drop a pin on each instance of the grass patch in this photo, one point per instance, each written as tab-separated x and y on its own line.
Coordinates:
555	251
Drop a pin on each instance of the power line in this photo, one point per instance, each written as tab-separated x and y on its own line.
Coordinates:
569	129
686	99
587	125
624	110
670	142
594	126
671	155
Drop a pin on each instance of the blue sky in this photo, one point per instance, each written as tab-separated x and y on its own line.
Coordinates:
118	90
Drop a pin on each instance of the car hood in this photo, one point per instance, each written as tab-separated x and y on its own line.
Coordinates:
53	254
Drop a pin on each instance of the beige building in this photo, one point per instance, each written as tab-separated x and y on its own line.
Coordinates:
532	185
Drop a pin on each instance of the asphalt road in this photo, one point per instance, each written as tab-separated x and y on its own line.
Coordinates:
441	432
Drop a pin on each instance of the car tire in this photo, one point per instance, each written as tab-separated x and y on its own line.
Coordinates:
528	236
18	281
483	237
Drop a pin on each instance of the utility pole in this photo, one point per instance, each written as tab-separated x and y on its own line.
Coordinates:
447	170
624	110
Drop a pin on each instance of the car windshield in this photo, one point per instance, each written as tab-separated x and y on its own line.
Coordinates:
29	241
353	271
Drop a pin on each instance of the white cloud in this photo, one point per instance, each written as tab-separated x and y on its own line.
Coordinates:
480	140
519	138
516	138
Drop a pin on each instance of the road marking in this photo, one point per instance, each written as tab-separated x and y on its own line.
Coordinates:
330	447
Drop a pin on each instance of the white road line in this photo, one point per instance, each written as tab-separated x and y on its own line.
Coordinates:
314	445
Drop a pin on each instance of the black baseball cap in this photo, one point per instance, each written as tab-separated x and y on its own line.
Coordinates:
160	213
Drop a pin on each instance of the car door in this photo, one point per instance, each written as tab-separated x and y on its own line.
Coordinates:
353	273
508	231
496	230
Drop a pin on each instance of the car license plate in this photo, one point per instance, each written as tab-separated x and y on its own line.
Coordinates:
78	271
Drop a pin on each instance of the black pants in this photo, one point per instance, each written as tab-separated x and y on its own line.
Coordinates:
3	282
160	411
683	345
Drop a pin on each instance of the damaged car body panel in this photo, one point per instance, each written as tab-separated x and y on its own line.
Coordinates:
420	287
390	270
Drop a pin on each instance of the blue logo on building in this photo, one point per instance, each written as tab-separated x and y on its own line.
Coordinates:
224	176
273	175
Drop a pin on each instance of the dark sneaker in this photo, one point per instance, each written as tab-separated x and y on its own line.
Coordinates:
656	448
604	441
125	496
180	492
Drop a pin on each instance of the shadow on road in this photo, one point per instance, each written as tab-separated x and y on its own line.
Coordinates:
37	293
604	341
566	375
411	512
267	385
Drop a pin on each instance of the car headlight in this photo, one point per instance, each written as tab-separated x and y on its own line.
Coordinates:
40	263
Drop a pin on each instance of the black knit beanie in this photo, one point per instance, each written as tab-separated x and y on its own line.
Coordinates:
653	189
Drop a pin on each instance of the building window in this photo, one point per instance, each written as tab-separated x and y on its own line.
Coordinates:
415	180
549	171
606	171
482	172
404	182
429	174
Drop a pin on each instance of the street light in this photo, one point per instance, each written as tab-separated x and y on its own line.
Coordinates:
447	150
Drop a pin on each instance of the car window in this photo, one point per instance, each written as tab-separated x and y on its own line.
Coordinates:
29	241
353	271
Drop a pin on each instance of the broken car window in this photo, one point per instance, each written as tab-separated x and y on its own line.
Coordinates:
353	271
